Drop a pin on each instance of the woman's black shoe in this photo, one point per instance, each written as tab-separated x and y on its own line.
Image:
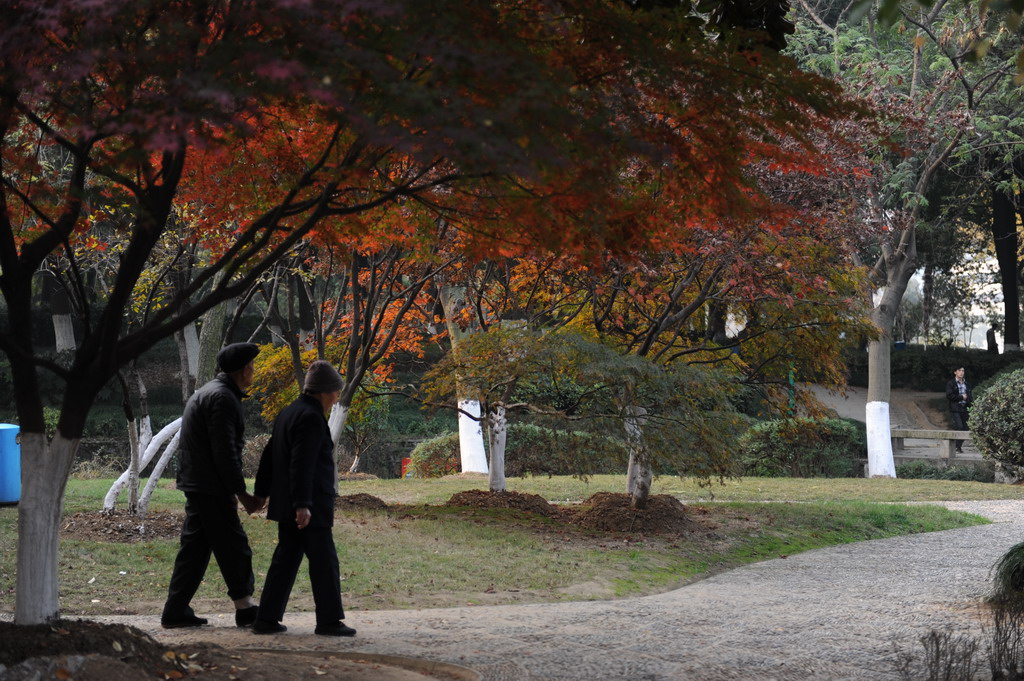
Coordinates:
336	629
265	627
244	617
180	621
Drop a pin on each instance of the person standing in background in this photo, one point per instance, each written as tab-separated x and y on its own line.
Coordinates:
958	393
297	471
990	339
210	475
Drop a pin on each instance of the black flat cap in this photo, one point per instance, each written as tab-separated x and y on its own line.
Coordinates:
235	356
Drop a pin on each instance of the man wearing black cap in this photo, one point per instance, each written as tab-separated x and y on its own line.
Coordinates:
210	475
298	473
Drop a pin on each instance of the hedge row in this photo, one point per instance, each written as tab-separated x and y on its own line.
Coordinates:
917	368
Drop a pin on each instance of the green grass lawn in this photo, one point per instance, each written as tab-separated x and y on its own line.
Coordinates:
420	553
561	489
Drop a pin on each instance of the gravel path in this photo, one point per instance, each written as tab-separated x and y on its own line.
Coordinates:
830	614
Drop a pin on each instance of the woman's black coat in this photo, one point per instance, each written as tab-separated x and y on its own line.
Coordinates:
297	467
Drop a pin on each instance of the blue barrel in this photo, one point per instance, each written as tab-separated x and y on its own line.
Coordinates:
10	464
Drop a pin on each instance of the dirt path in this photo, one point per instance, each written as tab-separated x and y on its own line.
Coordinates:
835	614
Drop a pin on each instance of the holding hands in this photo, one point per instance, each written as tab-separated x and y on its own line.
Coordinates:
251	503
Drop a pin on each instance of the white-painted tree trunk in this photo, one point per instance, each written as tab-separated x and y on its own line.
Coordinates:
497	431
158	470
472	454
133	468
336	422
639	474
880	461
155	443
883	314
45	467
876	413
64	333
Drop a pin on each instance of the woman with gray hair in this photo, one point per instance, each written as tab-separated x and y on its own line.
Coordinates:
297	472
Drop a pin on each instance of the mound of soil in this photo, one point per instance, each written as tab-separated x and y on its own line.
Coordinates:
113	649
121	526
609	512
91	651
361	500
479	498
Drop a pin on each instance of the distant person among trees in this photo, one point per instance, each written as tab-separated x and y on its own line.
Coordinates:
210	475
958	393
990	339
297	471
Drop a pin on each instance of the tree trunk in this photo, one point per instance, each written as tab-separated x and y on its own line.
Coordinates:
639	474
1004	236
276	334
876	416
188	359
63	319
158	469
472	455
140	434
133	468
336	422
45	468
927	301
307	318
211	337
471	444
168	431
717	323
497	431
64	333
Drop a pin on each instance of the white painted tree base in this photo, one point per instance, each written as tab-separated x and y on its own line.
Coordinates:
880	461
471	438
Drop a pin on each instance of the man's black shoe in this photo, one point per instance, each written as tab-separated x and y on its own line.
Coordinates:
244	617
336	629
188	619
265	627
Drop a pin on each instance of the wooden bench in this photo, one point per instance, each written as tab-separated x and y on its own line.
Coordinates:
949	437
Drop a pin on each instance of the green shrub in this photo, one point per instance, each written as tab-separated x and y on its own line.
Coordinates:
997	420
800	448
545	451
1008	576
51	417
980	387
917	368
926	470
435	457
529	449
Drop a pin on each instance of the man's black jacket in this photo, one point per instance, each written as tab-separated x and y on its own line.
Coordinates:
212	437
